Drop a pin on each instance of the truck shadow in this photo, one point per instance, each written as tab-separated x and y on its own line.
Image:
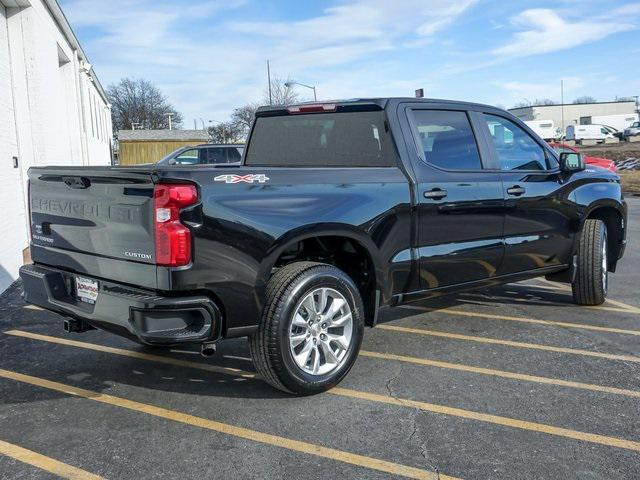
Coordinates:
149	382
510	294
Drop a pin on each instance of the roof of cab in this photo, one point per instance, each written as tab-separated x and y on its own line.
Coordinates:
381	102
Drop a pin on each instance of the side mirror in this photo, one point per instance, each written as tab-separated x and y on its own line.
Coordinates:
571	162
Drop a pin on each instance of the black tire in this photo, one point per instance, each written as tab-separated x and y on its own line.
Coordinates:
270	347
591	279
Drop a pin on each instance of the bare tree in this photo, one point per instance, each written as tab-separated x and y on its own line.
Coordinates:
226	132
585	99
544	101
243	116
281	94
138	102
537	102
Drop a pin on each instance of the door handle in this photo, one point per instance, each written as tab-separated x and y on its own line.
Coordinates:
516	190
435	194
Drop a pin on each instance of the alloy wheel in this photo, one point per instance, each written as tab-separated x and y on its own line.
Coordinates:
321	331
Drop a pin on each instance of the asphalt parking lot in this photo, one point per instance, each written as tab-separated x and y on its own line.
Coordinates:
510	382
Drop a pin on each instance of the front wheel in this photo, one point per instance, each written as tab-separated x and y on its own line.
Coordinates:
311	329
592	275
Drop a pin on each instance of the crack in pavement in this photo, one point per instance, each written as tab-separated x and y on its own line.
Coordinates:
416	414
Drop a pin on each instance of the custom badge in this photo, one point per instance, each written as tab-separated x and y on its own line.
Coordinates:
250	178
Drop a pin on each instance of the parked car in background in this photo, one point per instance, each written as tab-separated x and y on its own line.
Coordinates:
618	122
588	132
631	131
612	130
597	161
207	154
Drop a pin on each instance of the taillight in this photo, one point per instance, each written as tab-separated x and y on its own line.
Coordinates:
312	108
173	239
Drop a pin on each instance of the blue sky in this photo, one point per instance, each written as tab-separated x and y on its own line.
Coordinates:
209	57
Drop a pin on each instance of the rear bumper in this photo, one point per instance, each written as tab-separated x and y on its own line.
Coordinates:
134	313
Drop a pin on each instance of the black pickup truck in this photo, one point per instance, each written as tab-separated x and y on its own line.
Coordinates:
337	210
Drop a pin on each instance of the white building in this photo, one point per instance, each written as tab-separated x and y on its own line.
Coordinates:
53	111
574	113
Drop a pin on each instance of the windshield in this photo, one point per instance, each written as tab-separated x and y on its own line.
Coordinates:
165	160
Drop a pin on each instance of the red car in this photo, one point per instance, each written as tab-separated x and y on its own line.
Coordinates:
597	161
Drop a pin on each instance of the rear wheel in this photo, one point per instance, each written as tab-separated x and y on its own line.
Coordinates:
591	280
311	328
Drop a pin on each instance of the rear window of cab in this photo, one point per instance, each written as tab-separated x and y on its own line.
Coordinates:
344	139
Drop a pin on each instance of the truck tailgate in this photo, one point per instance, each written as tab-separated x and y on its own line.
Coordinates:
94	220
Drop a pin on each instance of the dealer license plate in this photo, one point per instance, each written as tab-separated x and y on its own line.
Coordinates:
86	290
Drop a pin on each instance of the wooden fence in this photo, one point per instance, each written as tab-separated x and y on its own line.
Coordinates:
149	151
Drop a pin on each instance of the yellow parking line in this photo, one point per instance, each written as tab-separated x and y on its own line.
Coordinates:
32	307
245	433
130	353
548	285
501	373
625	306
495	419
384	356
564	288
505	421
449	311
45	463
509	343
492	297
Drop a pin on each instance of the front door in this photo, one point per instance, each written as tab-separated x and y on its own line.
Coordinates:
537	227
460	204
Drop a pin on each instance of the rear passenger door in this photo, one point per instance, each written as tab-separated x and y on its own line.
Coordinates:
537	211
460	203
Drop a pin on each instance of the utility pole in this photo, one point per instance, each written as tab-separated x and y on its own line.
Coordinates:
269	80
169	115
562	106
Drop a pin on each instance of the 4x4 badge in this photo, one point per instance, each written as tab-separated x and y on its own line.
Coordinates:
250	178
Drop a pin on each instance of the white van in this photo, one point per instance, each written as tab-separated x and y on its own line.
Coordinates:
619	122
545	129
588	132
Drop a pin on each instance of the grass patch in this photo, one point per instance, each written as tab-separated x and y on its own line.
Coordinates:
630	181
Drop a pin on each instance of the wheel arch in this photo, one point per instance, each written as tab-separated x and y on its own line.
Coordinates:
612	214
362	243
